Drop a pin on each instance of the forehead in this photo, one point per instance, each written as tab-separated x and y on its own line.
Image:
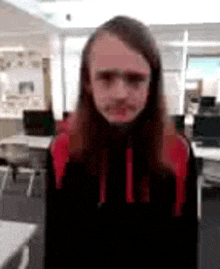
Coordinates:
108	51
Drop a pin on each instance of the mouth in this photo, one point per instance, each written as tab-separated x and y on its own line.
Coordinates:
118	111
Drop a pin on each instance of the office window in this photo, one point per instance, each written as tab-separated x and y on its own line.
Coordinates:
207	70
209	65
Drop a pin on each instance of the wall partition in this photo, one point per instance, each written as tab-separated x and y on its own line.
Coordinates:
73	47
174	54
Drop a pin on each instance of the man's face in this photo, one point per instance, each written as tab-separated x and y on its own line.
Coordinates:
119	80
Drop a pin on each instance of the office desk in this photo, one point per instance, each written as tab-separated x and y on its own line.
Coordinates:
15	237
206	153
211	161
39	142
210	170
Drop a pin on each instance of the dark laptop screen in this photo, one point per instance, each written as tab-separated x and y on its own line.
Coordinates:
179	121
38	122
207	101
206	127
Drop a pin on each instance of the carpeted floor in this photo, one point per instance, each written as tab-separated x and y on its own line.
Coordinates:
16	206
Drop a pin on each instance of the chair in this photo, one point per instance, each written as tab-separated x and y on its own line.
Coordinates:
209	177
5	168
25	257
17	157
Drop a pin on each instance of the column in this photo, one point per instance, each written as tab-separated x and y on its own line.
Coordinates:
56	75
183	72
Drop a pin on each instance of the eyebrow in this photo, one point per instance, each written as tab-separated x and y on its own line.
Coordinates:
116	72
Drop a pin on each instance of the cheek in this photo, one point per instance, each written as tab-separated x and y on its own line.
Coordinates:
99	98
140	99
100	101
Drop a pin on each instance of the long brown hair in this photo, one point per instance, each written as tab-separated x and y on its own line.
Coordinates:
89	133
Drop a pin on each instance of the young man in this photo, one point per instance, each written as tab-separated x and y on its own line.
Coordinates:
115	205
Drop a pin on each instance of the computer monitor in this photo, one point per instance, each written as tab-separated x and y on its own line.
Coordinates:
179	121
38	123
206	127
207	101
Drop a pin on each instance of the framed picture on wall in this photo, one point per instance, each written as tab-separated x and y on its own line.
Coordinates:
26	87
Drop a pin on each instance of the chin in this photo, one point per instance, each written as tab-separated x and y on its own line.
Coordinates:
120	122
112	120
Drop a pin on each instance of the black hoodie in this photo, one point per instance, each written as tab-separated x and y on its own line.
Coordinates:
81	232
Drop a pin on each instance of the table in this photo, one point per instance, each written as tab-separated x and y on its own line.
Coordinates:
206	152
210	170
15	237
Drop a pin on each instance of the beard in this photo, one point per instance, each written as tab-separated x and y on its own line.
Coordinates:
122	128
118	132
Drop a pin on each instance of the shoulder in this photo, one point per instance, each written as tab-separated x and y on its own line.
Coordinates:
60	141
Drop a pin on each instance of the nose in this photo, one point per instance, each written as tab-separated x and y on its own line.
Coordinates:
120	90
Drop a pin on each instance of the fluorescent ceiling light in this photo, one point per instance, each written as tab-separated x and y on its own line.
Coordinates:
191	44
11	49
191	85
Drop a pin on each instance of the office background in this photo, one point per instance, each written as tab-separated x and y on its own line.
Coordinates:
44	48
40	49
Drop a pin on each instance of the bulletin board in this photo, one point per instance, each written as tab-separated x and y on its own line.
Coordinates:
13	105
22	84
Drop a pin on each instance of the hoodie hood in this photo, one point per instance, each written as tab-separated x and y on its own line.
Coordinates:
174	155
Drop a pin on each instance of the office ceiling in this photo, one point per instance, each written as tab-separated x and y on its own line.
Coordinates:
17	23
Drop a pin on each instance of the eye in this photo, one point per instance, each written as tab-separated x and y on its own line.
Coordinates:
135	80
106	77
